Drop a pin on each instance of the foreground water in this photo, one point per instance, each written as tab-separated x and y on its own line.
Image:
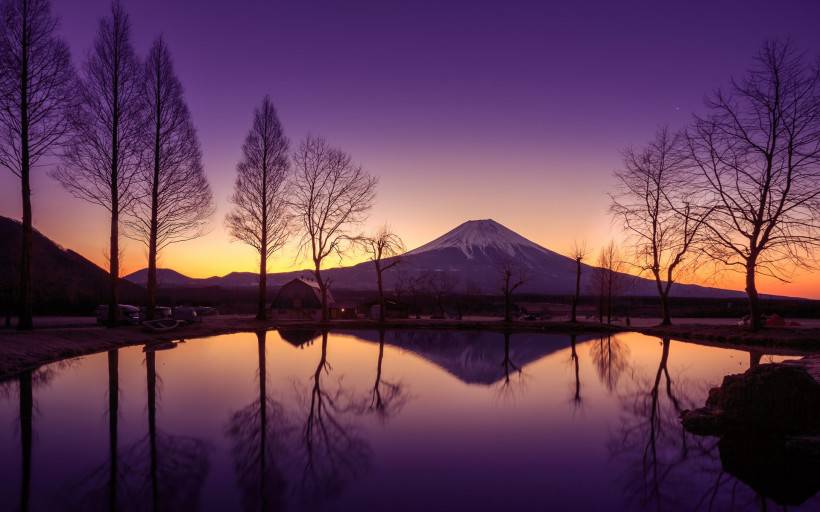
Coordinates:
420	421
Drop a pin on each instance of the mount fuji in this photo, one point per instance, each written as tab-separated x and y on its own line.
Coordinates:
472	255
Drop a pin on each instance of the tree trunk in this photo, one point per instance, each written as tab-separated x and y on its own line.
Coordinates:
666	316
114	248
574	317
381	292
263	286
114	270
507	307
318	273
24	321
154	227
663	295
756	322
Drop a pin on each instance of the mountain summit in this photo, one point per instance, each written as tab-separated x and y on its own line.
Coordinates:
478	236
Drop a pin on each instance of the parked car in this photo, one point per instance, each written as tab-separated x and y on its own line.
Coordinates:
206	311
128	314
160	312
186	314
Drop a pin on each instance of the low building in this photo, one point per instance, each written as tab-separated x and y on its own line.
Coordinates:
300	299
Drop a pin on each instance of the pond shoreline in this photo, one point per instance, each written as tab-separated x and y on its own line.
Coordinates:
22	351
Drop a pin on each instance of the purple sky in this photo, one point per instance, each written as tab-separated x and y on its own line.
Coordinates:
515	111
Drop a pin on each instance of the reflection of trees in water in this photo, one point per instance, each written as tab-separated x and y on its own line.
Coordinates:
575	362
651	439
259	433
507	387
388	398
666	467
158	472
332	451
24	385
611	357
307	454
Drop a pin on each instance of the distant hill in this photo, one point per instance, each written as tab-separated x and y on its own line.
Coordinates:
472	255
62	280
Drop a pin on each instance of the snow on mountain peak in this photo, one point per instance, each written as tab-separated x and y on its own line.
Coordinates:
479	235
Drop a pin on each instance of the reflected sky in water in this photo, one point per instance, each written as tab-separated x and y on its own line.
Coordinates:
401	420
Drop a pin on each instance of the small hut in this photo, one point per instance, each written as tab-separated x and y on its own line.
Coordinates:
300	299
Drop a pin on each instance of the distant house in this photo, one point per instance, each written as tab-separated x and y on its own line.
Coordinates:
300	299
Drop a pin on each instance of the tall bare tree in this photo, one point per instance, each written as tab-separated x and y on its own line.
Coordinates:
654	203
383	249
101	161
260	216
174	202
512	278
36	85
579	252
331	195
758	155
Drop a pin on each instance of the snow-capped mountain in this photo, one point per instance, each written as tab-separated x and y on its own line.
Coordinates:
471	256
477	237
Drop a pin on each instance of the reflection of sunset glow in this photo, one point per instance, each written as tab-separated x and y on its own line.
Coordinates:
453	417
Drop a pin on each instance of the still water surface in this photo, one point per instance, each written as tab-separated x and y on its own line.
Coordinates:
420	421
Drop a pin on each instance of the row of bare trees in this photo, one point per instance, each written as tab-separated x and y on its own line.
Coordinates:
120	129
317	193
738	189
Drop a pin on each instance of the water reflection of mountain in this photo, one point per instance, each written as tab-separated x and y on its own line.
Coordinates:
474	357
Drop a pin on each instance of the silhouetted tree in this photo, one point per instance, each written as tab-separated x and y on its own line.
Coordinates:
259	216
102	158
512	278
654	204
579	252
440	284
330	196
36	86
383	245
608	281
757	153
174	201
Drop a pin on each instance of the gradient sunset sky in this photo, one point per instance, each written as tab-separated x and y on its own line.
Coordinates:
515	111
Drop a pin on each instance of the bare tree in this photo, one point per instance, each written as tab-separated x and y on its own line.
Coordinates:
260	216
383	249
758	155
654	204
331	195
101	160
174	202
36	82
608	281
512	278
579	252
440	284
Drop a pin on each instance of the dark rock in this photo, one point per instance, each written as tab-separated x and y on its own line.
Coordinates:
772	398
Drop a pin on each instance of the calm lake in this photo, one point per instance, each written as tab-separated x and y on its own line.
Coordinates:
423	421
